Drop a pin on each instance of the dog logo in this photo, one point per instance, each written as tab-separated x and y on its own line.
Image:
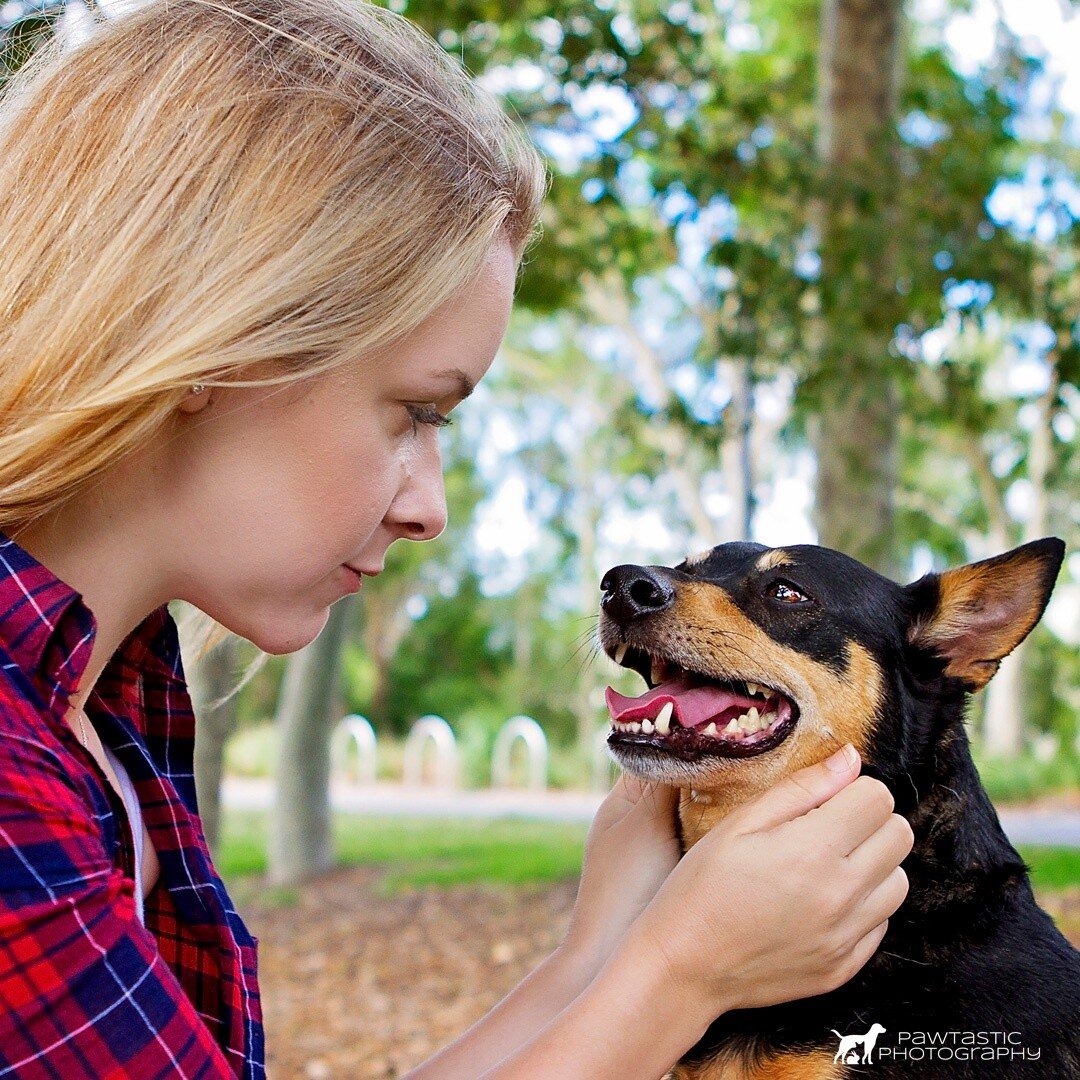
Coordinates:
848	1054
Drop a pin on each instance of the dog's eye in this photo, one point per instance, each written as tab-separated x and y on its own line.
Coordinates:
787	593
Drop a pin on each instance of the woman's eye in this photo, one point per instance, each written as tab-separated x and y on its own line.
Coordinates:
787	593
427	414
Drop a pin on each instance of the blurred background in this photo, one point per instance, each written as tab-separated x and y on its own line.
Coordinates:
808	274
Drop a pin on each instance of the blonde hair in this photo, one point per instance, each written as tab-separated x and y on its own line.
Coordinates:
205	186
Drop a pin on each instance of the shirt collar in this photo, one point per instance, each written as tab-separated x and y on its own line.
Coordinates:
48	631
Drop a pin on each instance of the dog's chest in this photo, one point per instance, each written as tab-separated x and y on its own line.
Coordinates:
816	1065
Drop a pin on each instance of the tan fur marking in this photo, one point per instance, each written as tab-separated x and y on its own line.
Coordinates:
984	611
772	559
708	629
698	557
817	1065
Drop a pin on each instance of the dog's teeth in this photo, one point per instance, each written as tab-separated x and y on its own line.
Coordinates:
732	727
748	722
620	652
634	725
659	669
711	729
663	718
646	726
768	719
756	689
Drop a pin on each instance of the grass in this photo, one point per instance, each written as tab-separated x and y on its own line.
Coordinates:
1052	868
1025	777
425	851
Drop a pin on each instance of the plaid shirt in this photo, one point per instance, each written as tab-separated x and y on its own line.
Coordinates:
85	989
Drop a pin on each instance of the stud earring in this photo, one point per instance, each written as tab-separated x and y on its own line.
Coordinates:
197	388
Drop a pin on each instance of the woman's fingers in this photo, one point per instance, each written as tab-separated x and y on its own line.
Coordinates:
800	792
862	952
883	900
851	816
880	853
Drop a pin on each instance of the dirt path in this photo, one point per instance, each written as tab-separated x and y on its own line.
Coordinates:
357	985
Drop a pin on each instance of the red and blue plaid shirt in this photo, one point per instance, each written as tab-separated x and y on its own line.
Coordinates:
85	989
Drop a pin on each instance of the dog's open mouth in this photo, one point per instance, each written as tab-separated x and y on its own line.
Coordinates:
689	714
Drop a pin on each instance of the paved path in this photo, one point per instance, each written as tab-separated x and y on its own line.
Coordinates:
1060	827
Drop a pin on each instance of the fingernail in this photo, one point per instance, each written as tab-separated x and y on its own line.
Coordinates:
843	759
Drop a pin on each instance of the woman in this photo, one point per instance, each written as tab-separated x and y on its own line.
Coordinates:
254	253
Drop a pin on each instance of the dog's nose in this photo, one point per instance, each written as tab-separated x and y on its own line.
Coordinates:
631	592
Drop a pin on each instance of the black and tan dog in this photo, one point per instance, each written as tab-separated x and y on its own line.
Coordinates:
760	661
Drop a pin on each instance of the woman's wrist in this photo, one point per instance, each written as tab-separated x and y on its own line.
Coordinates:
698	1002
632	1022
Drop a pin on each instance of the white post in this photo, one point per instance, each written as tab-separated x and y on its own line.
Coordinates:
436	730
360	733
530	732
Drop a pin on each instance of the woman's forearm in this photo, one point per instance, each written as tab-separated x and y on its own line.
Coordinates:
527	1009
565	1020
630	1023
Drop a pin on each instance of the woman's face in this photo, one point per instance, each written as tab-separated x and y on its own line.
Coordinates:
272	491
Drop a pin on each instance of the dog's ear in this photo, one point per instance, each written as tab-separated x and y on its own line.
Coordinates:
975	615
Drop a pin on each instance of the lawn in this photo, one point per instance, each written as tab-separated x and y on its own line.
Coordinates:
424	851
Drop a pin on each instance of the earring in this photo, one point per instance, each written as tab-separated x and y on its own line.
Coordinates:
197	388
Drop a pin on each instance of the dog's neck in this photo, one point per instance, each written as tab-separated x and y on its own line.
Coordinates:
961	859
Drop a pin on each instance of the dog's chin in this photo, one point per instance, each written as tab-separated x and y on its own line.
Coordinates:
687	758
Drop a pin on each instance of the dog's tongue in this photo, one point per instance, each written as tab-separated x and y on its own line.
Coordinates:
694	705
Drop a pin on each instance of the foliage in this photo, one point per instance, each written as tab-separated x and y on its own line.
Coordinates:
670	354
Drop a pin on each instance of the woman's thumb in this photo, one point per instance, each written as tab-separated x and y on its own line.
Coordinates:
800	792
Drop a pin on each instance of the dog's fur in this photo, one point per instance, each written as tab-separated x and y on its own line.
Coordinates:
888	668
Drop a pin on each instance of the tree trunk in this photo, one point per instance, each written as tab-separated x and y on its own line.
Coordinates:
737	453
853	391
213	677
301	843
1004	720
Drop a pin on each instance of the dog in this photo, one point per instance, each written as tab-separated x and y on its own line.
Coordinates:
849	1046
760	661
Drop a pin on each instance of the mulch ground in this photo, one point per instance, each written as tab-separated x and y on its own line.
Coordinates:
355	984
359	985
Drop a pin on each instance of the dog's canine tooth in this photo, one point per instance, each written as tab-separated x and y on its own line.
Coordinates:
620	652
663	718
659	670
646	726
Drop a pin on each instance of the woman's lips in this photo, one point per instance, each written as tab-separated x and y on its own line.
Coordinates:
355	575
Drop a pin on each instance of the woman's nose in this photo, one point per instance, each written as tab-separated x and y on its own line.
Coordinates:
419	510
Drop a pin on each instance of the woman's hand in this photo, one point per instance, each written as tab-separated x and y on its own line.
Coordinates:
629	853
787	897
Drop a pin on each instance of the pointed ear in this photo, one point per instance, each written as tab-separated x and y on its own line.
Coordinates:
975	615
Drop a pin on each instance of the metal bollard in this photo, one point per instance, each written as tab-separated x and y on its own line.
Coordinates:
436	730
530	732
360	733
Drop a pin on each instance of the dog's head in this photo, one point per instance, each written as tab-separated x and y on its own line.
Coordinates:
760	661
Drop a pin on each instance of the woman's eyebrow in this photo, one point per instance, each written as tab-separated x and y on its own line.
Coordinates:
465	384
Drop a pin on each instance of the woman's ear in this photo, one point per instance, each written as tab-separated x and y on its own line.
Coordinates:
974	616
195	400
